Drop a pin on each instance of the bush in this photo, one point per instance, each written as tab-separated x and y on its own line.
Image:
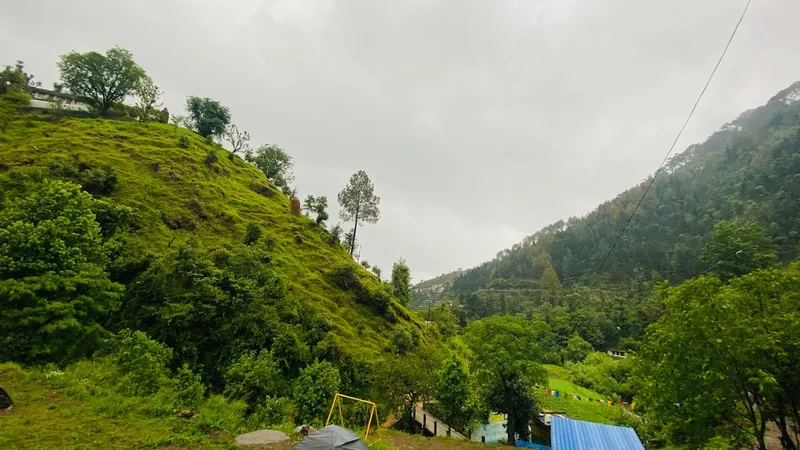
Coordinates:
112	217
404	340
314	389
253	233
211	157
253	378
272	411
183	141
220	414
99	180
142	360
344	276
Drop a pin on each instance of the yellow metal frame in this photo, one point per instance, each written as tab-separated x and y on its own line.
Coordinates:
373	412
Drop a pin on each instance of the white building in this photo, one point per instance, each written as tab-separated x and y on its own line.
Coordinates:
45	99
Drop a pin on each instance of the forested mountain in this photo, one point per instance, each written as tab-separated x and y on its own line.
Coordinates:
748	171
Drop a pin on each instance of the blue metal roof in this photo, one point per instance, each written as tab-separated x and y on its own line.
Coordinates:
569	434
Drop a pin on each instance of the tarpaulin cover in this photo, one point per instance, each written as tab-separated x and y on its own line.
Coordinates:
526	444
330	438
570	434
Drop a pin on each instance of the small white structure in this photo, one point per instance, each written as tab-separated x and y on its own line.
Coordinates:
46	99
617	353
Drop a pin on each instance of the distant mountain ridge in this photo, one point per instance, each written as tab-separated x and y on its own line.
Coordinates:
749	170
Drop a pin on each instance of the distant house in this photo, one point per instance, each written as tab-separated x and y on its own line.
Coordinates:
45	99
617	353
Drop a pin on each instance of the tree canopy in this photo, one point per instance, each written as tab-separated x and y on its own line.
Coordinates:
207	117
101	80
359	203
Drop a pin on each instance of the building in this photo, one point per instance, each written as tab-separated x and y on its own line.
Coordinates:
46	99
614	353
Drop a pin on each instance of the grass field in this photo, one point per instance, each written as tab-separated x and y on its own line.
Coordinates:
590	412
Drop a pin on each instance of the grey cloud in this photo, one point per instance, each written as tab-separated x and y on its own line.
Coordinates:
399	89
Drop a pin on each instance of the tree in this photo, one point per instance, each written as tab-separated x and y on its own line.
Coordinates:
254	377
454	392
14	78
239	140
737	250
377	271
207	117
724	357
101	80
359	203
276	164
316	205
551	286
252	234
177	121
148	95
53	282
407	379
505	353
577	349
401	281
314	389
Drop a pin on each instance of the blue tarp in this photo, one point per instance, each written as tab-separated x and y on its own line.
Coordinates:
570	434
526	444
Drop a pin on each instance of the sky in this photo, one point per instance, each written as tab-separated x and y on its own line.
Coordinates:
471	144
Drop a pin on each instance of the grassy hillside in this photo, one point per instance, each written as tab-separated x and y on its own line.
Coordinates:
199	195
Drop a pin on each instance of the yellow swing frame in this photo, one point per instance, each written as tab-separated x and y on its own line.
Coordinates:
373	412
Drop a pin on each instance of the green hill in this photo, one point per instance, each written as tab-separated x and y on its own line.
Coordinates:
199	196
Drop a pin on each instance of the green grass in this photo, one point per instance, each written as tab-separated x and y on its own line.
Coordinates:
57	412
581	410
161	180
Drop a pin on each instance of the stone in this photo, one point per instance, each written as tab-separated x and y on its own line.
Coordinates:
5	399
264	439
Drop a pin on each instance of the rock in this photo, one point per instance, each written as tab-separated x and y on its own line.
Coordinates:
5	399
304	430
264	439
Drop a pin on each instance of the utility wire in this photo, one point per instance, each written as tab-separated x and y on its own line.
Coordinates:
536	50
675	142
521	44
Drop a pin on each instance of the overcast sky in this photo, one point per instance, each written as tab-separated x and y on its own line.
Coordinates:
401	90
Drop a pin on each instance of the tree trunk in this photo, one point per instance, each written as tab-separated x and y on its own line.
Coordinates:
510	422
355	227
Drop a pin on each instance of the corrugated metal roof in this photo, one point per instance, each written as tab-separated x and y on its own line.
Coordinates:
570	434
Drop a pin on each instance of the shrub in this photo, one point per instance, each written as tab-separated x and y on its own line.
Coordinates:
253	377
211	157
219	413
404	340
99	180
183	141
112	217
253	233
272	411
314	389
142	360
345	277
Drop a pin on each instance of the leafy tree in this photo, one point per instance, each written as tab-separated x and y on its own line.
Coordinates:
737	250
350	242
505	362
401	281
577	349
314	389
454	392
404	340
316	205
276	164
207	117
101	80
377	271
15	78
53	282
147	105
336	233
407	379
551	286
359	203
239	140
254	377
727	355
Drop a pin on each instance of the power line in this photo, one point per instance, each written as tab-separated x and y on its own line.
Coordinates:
521	44
536	50
675	142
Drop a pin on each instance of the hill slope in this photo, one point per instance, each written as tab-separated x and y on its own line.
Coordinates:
197	195
749	170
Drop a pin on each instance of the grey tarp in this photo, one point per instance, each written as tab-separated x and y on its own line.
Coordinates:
330	438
